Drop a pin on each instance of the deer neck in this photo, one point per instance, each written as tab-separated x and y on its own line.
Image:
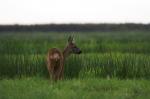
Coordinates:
66	52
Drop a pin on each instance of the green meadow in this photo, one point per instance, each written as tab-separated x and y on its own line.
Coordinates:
39	88
113	65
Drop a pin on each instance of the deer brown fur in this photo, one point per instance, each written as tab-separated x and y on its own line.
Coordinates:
56	58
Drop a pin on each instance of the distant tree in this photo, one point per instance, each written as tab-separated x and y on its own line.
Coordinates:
75	27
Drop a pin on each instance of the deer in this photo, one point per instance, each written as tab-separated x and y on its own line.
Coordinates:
56	59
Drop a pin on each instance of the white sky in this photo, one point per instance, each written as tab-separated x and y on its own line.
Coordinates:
74	11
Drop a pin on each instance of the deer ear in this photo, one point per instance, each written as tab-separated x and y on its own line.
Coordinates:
70	39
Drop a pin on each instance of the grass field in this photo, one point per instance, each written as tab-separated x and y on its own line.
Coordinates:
113	65
39	88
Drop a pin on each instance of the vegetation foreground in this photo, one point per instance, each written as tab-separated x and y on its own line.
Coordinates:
102	71
39	88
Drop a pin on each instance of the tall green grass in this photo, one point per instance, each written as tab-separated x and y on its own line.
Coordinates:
105	54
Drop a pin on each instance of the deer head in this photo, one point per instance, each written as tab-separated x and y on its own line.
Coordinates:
71	47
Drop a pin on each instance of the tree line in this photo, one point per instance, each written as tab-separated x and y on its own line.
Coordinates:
74	27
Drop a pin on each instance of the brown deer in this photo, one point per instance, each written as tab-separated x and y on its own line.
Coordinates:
56	58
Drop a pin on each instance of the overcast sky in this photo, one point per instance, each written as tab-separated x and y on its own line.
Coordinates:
74	11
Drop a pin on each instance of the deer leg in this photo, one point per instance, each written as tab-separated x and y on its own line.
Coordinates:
56	75
51	70
61	75
58	71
